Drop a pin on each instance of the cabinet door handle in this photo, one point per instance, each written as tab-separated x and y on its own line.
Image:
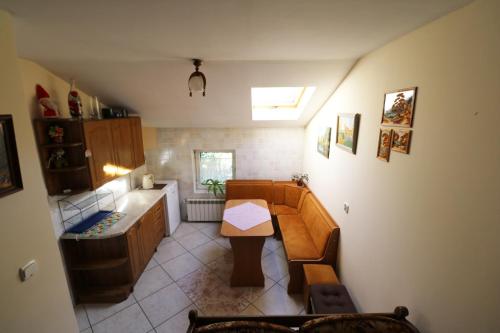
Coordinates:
88	153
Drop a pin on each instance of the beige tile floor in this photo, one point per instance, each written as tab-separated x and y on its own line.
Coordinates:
191	270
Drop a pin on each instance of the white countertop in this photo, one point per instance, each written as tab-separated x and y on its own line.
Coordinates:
134	204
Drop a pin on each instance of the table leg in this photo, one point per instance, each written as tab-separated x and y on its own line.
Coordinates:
247	254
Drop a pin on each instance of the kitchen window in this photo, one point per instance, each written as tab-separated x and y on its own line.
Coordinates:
213	164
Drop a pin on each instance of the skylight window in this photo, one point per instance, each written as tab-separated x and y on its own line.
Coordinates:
279	103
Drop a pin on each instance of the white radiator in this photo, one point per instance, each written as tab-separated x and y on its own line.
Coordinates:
205	209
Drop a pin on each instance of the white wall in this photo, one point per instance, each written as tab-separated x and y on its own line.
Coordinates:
271	153
423	229
41	304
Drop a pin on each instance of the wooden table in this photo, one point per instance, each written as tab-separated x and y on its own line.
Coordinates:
247	247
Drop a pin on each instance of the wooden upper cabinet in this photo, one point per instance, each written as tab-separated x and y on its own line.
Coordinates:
137	141
121	131
99	143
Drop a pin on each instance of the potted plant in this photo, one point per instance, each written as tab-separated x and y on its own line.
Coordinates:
214	186
301	178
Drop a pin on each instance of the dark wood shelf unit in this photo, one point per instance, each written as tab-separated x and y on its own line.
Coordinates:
75	177
62	145
104	294
73	130
68	169
100	264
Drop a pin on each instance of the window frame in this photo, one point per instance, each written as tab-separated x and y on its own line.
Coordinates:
294	105
282	112
198	187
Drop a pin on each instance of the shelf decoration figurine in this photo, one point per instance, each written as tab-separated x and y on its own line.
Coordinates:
57	160
74	102
56	134
48	108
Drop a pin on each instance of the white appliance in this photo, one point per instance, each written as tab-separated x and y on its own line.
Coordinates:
172	208
148	181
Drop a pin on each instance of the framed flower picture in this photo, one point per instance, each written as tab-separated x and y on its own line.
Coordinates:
399	107
384	144
347	131
10	173
401	138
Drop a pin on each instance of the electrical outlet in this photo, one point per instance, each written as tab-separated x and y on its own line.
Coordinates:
346	207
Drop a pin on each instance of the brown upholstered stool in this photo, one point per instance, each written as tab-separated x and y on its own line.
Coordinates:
317	274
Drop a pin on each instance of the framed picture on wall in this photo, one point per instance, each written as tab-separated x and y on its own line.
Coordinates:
10	173
384	144
347	131
324	138
401	138
399	107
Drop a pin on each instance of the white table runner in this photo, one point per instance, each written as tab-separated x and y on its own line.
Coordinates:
246	216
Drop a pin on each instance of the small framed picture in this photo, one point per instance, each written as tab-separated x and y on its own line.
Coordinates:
401	138
10	173
399	107
347	131
384	144
324	141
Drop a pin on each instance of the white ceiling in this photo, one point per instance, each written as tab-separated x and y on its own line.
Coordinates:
136	53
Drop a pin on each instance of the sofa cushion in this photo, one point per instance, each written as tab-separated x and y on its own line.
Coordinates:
284	210
331	299
316	222
296	239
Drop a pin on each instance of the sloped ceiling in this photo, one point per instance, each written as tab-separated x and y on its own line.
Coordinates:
137	53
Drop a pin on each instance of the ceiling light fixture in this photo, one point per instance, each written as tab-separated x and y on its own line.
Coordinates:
197	81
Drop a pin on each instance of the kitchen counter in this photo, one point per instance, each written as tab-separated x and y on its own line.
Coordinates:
134	204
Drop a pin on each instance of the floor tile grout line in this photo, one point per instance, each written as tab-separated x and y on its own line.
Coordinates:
191	233
144	312
173	235
186	273
161	263
87	316
157	291
163	322
209	240
117	312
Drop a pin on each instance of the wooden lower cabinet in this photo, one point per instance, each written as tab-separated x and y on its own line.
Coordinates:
104	270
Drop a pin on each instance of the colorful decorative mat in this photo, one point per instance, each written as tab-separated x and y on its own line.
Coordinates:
103	225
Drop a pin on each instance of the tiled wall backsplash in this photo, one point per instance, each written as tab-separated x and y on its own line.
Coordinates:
271	153
119	187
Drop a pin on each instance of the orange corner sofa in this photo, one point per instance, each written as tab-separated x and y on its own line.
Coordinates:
310	235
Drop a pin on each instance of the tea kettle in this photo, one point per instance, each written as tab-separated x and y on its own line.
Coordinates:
148	181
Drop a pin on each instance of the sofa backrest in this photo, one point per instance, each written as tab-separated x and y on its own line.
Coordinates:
322	228
279	191
295	195
249	189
